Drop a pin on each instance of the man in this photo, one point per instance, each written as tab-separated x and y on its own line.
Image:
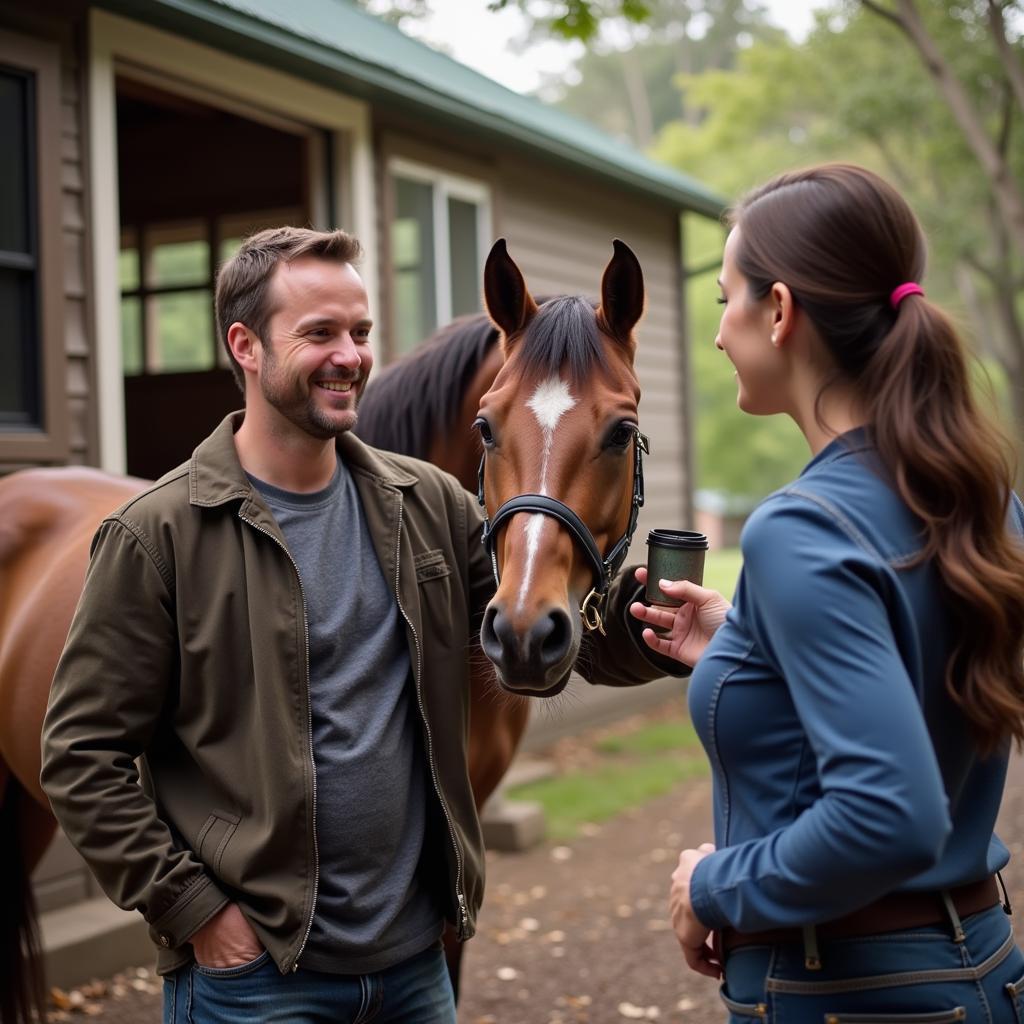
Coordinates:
258	629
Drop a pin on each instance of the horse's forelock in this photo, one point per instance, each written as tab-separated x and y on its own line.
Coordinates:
564	333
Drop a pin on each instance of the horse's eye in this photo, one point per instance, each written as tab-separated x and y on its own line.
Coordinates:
484	428
621	435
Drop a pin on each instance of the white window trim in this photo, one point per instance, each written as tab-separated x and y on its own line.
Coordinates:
447	186
179	64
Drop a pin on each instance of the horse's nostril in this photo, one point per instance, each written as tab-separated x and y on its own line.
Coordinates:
553	635
529	653
495	634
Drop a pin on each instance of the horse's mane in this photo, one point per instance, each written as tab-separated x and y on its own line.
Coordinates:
564	333
414	399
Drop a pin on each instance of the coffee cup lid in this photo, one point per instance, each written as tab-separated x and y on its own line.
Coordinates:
687	540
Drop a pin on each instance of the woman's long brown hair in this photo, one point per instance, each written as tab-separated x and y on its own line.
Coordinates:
842	239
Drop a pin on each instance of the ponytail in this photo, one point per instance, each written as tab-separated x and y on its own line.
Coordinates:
950	466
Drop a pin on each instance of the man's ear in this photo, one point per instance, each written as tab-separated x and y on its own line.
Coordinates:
243	344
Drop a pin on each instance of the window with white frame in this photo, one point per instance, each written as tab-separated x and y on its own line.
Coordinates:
439	231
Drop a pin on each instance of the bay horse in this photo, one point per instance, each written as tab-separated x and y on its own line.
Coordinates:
558	368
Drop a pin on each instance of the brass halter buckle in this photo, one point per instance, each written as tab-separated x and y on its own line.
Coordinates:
590	612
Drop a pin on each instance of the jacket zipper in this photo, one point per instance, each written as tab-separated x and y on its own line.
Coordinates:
430	743
309	713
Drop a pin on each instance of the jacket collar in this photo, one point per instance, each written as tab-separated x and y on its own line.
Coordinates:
216	476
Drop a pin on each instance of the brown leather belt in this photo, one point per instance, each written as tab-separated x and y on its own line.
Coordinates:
896	912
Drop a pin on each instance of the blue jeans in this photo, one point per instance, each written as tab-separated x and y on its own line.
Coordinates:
416	991
921	976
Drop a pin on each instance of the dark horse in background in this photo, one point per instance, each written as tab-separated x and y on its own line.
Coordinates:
426	406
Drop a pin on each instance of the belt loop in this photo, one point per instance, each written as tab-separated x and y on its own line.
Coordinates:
1007	909
812	958
954	917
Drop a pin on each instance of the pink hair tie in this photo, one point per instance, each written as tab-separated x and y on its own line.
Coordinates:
900	293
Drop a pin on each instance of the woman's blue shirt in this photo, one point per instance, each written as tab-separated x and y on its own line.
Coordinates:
842	768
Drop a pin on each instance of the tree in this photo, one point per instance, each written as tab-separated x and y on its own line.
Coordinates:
578	19
626	84
991	157
854	91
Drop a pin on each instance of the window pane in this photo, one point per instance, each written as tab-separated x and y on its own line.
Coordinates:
15	100
465	257
177	254
131	336
128	269
180	332
412	242
19	389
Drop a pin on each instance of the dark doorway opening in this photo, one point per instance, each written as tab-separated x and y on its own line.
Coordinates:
194	179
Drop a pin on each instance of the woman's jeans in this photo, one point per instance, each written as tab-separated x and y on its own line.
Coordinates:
921	976
416	991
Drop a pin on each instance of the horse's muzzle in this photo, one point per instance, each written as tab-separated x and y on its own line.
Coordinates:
533	659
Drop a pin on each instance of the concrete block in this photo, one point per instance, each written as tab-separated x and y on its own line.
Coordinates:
513	825
92	939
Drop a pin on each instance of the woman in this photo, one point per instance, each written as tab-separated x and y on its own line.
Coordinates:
859	701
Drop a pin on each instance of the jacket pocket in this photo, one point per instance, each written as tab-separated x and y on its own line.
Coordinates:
431	565
957	1013
214	836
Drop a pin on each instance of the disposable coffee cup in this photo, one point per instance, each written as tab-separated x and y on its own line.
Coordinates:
673	555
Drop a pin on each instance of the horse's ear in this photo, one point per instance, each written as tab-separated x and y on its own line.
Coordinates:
509	303
622	292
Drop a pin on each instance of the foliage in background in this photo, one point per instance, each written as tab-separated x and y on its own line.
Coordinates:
855	90
577	19
627	83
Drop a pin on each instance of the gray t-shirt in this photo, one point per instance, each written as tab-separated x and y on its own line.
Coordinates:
372	910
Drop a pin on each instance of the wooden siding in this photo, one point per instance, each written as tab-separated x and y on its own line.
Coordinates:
77	310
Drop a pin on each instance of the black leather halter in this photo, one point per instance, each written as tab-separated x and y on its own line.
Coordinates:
603	568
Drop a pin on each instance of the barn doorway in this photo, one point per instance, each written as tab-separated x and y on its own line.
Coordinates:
194	179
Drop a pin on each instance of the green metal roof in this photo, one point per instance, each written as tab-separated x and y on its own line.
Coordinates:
335	42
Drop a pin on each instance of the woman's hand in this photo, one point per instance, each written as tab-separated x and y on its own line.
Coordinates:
692	935
686	630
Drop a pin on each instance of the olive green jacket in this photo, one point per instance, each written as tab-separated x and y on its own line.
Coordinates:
188	651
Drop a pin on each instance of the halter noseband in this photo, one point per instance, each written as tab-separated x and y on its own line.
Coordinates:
603	569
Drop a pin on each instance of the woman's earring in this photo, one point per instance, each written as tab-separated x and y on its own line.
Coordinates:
775	339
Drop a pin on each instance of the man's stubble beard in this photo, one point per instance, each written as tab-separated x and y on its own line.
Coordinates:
286	398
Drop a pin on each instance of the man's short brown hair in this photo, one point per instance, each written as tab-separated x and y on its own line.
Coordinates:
243	282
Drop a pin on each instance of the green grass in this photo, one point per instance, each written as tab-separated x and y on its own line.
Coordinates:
659	738
632	768
722	569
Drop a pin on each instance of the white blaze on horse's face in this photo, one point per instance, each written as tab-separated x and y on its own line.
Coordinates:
550	402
